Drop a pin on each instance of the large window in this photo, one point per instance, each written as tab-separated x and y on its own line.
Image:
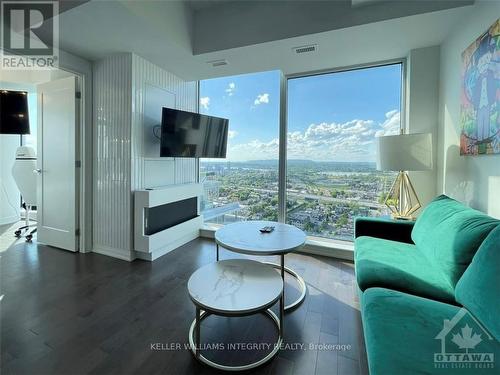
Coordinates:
333	120
331	176
244	186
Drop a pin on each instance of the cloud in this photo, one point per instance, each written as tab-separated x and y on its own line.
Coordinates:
205	102
231	88
391	125
232	133
261	99
349	141
254	150
332	141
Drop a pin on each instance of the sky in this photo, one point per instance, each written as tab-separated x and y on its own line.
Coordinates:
331	117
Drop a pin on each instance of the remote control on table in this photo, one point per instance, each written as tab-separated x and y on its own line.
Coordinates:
267	229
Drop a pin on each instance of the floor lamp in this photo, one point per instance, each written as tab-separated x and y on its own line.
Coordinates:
402	153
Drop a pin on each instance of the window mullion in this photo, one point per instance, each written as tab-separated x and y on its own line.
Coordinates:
282	150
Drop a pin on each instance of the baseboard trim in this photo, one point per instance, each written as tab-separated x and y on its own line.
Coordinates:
167	249
207	233
32	215
330	252
114	253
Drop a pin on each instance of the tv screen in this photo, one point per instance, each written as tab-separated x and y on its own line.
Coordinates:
14	117
191	135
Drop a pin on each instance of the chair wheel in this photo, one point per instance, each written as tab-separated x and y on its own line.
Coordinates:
17	233
28	238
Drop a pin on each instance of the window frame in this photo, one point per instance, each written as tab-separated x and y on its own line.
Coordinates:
315	241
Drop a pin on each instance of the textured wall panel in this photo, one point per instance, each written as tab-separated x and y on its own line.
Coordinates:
186	98
119	165
112	122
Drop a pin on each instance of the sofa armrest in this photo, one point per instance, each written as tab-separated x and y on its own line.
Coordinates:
388	229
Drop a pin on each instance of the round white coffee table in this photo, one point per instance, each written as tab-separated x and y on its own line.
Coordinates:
234	287
245	237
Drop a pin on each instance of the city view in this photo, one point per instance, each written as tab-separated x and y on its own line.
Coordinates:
332	124
323	198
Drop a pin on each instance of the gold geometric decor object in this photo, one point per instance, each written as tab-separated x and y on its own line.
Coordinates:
401	153
402	199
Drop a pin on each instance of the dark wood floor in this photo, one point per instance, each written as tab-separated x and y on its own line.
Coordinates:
65	313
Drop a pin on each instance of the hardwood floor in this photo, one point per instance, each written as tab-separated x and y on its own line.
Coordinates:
65	313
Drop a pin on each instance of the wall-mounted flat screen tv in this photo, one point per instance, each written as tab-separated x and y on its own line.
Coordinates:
191	135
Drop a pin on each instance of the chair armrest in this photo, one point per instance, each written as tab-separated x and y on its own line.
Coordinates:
388	229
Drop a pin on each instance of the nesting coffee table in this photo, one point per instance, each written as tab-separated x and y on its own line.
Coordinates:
235	287
244	237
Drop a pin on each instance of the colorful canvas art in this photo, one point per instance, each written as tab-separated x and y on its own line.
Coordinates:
480	96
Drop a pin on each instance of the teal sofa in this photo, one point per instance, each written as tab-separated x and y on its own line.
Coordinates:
430	291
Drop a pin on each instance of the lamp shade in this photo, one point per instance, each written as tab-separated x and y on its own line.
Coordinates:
14	117
404	152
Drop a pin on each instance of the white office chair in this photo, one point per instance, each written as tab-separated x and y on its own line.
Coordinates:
24	173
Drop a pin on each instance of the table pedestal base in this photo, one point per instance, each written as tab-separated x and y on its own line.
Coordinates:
194	343
300	281
279	267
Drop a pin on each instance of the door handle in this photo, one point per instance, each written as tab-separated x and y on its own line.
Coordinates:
37	171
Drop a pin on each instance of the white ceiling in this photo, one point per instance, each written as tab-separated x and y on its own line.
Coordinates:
32	77
162	32
232	24
357	45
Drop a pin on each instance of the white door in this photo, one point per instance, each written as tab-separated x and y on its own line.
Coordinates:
57	177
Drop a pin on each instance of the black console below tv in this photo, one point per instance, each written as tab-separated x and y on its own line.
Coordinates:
168	215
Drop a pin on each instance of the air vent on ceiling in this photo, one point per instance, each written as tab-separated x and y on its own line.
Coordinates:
216	63
306	49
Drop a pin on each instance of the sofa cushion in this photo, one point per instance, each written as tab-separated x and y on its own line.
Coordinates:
400	266
403	333
449	233
477	290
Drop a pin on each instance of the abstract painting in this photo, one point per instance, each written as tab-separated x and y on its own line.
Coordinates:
480	95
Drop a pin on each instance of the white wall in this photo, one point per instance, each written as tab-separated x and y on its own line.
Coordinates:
9	193
153	172
119	164
422	111
474	180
